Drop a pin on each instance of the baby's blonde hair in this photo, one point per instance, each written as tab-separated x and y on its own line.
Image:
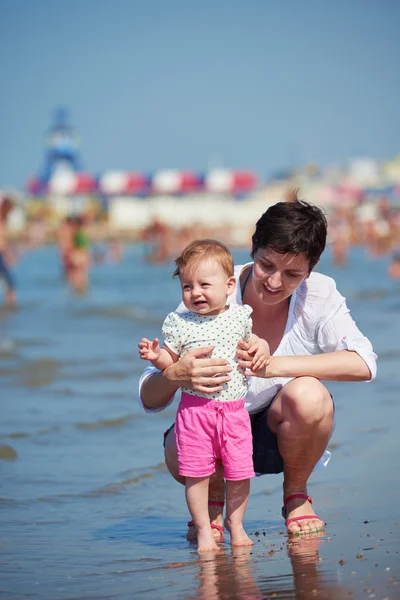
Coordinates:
204	250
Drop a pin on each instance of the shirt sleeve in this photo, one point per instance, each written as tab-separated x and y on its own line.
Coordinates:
248	322
147	373
171	331
339	332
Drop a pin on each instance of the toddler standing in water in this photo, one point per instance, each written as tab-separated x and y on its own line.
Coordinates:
211	427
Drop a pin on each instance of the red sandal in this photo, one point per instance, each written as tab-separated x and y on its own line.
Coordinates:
213	525
302	517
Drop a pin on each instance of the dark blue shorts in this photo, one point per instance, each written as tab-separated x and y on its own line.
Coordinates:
266	456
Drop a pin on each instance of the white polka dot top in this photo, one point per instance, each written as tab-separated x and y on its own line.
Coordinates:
185	331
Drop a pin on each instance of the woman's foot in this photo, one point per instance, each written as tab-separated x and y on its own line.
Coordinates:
300	516
238	535
218	532
215	510
205	540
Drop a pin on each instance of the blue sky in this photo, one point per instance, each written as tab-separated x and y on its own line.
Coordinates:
259	84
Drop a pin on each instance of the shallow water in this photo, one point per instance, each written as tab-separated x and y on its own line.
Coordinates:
87	509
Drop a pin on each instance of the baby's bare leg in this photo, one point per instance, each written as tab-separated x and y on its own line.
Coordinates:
237	495
196	490
216	492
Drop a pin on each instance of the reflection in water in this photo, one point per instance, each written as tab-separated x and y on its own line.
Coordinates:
308	577
233	574
226	575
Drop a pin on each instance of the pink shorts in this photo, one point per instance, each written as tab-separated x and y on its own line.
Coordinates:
208	431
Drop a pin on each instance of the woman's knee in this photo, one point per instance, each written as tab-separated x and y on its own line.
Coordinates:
171	456
307	399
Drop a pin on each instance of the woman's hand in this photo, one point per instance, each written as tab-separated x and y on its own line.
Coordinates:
198	372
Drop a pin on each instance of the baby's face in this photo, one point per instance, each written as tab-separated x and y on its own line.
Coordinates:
205	287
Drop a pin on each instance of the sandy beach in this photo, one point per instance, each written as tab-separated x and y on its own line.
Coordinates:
88	509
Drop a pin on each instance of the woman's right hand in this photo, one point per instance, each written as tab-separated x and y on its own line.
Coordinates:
198	372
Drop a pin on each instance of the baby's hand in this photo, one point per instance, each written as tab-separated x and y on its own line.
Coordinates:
259	350
149	350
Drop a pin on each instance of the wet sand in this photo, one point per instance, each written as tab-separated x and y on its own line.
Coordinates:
87	508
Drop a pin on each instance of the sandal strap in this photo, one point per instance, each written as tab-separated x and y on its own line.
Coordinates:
213	526
302	518
299	495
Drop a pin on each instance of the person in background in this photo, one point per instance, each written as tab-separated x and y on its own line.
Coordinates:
211	426
73	242
312	337
6	206
394	265
79	257
65	240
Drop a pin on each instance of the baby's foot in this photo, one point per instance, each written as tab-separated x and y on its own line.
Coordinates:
206	540
238	535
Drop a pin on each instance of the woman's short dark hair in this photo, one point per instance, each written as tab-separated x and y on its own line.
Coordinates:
292	227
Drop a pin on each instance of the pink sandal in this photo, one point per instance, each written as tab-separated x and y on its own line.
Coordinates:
302	517
214	525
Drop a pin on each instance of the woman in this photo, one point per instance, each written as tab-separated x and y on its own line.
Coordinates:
312	337
76	255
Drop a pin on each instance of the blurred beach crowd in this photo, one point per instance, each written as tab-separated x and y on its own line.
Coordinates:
361	201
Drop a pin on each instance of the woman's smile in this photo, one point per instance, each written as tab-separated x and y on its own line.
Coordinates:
271	290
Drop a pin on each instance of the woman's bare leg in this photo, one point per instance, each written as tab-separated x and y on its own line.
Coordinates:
301	416
237	496
216	492
196	490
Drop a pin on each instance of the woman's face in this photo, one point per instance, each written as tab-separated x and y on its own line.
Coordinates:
276	276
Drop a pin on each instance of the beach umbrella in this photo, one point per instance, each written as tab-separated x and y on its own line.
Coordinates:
172	182
243	181
85	184
190	182
224	181
136	183
166	181
112	183
69	183
218	181
123	183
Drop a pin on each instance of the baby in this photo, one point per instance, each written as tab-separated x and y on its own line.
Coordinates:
211	427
